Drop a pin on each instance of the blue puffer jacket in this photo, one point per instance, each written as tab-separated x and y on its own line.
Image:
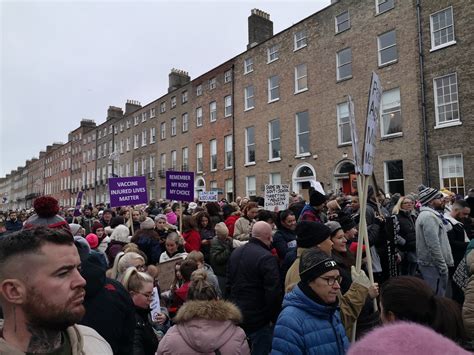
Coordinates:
307	327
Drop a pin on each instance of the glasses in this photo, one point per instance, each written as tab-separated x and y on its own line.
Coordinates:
332	280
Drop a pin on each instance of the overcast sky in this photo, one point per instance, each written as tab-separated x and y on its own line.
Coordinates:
62	61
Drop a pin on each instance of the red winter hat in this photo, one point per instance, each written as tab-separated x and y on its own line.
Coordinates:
46	208
96	226
93	240
353	249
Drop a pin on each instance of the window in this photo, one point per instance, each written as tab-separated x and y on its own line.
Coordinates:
248	65
144	138
143	166
344	64
163	162
144	116
199	90
128	125
173	126
152	163
121	127
184	122
394	177
152	135
212	83
228	152
135	142
343	22
135	122
212	111
213	185
387	46
173	160
199	164
301	78
344	129
199	117
152	112
213	154
300	40
184	97
249	93
100	133
451	173
272	53
302	133
446	100
127	145
228	106
135	167
228	76
383	5
250	145
274	140
127	169
184	157
274	179
163	107
173	101
391	123
250	186
99	151
163	130
273	88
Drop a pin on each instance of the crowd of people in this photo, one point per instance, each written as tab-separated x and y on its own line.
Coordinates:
244	279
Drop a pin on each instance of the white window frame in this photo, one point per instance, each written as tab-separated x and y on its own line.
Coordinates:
228	149
144	116
212	83
199	160
275	88
250	180
386	180
135	142
300	40
152	112
135	167
273	53
152	135
135	122
298	134
163	107
344	107
272	180
339	64
184	96
143	166
379	49
144	138
299	77
228	106
390	109
163	130
378	3
163	162
272	140
151	167
442	185
127	145
248	145
199	90
173	102
213	154
338	24
174	160
453	122
227	76
248	65
185	158
249	100
199	117
173	126
212	111
184	122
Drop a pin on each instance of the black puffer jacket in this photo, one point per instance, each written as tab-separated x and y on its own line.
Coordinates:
406	222
283	240
145	341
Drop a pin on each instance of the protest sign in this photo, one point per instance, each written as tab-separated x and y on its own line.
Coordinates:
354	136
155	304
208	196
180	186
77	209
166	271
277	197
126	191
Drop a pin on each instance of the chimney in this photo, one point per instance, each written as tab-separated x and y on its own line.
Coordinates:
260	27
86	123
177	78
130	107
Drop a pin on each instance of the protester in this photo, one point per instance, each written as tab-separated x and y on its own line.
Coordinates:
221	248
118	239
313	211
174	248
42	295
123	261
198	257
106	218
230	215
206	231
205	324
87	220
134	222
244	224
285	236
192	239
180	295
148	241
13	224
46	209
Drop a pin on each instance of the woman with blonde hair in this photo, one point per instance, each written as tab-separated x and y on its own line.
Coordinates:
123	261
205	324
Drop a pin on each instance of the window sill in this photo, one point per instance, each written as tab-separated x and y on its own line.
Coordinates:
340	145
343	79
249	109
297	49
273	60
302	155
248	72
300	91
212	121
383	12
274	100
342	31
450	124
227	116
213	170
441	46
228	168
388	63
390	136
250	164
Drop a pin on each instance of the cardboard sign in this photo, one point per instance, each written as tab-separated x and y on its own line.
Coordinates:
373	116
354	136
277	197
166	273
180	186
208	196
155	304
126	191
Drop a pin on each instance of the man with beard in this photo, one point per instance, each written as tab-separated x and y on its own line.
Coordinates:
41	294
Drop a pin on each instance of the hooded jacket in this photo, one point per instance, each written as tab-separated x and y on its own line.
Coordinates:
307	327
83	340
204	327
149	242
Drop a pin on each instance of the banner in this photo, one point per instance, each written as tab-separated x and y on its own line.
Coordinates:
180	186
77	209
208	196
354	136
373	116
277	197
125	191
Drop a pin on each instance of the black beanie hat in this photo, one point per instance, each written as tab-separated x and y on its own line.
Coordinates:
315	263
347	223
310	234
317	198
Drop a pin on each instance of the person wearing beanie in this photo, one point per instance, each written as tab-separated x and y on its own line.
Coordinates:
93	240
432	243
104	239
313	211
148	241
310	322
119	238
221	248
46	209
87	219
76	229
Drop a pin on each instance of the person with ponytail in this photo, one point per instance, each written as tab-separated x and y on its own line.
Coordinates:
205	324
123	261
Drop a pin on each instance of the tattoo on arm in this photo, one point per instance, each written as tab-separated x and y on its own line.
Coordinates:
43	340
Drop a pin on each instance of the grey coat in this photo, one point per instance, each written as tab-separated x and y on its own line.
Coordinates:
432	243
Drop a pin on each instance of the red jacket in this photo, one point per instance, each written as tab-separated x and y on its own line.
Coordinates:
230	223
193	241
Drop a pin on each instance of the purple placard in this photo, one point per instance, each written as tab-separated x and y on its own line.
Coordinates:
180	186
77	210
125	191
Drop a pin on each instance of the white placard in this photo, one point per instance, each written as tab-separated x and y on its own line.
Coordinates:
155	304
208	196
354	136
373	116
277	197
317	186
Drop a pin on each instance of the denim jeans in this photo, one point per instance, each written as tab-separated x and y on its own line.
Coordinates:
434	279
261	340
